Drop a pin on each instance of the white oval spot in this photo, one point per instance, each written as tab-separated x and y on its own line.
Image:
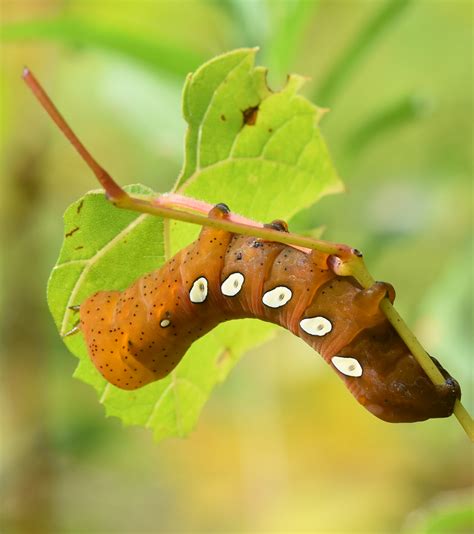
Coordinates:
316	326
198	292
277	297
347	366
165	322
232	284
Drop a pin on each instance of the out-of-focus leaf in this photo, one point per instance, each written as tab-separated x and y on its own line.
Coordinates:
259	151
165	58
385	17
249	20
404	111
448	322
289	20
450	514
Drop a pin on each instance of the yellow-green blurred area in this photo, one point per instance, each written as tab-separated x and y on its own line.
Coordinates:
281	446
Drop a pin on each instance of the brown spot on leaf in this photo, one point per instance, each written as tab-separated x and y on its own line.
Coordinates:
73	231
223	117
250	115
79	208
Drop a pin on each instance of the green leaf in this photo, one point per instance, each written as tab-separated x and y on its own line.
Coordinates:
276	166
270	169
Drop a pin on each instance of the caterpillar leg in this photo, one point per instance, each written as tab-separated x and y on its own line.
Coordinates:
278	225
214	238
222	208
368	300
74	330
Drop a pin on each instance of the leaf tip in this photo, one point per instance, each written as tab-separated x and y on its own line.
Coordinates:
321	112
294	82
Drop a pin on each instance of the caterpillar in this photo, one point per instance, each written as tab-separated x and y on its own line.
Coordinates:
139	335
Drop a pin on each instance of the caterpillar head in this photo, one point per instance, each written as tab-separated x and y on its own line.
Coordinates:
383	375
372	359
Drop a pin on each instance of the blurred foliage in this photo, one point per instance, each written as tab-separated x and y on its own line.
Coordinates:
282	446
451	512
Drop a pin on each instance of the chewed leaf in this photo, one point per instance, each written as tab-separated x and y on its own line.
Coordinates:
257	150
260	151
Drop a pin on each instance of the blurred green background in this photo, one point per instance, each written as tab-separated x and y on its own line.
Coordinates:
281	446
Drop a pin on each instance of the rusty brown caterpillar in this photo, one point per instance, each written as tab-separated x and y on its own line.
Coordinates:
139	335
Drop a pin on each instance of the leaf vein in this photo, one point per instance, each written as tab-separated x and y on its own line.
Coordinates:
66	263
105	393
172	387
